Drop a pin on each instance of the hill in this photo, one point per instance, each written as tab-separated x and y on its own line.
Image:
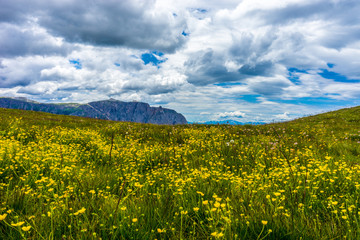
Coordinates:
107	109
67	177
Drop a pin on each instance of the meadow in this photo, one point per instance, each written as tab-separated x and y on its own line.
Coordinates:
65	177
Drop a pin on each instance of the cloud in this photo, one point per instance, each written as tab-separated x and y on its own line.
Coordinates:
206	67
135	24
281	117
236	114
29	39
262	58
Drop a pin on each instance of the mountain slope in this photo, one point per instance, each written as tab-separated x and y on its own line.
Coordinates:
108	109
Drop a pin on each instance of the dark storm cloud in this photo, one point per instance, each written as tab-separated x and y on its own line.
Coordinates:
270	87
340	11
21	41
15	11
207	67
129	23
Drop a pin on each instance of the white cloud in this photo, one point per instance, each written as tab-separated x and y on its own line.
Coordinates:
284	116
236	114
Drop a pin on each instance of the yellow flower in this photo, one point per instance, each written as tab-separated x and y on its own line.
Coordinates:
217	235
134	220
196	209
217	204
82	210
123	208
25	229
17	224
206	202
264	222
160	230
2	217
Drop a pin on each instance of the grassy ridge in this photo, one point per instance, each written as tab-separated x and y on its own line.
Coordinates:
77	178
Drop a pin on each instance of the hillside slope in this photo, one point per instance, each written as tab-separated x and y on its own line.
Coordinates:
81	178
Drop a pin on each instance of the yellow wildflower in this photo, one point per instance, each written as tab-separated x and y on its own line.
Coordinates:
2	217
25	229
82	210
17	224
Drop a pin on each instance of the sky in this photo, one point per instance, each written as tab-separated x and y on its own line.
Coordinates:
244	60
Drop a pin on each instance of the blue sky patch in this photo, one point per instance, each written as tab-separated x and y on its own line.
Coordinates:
201	10
153	57
251	98
76	63
294	75
296	70
337	77
117	64
228	84
330	65
316	101
184	33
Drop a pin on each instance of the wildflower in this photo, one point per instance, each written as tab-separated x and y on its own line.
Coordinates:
25	229
217	204
2	217
217	235
17	224
123	208
160	230
264	222
196	209
206	202
82	210
134	220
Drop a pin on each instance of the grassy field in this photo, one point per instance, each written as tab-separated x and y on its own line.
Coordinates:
65	177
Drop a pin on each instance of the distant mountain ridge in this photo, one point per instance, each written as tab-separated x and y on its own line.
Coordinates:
107	109
229	122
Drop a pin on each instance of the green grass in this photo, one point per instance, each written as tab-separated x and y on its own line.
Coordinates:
64	177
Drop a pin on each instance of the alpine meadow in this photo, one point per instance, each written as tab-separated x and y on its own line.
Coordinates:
64	177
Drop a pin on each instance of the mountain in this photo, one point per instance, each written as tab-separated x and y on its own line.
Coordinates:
108	109
229	122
